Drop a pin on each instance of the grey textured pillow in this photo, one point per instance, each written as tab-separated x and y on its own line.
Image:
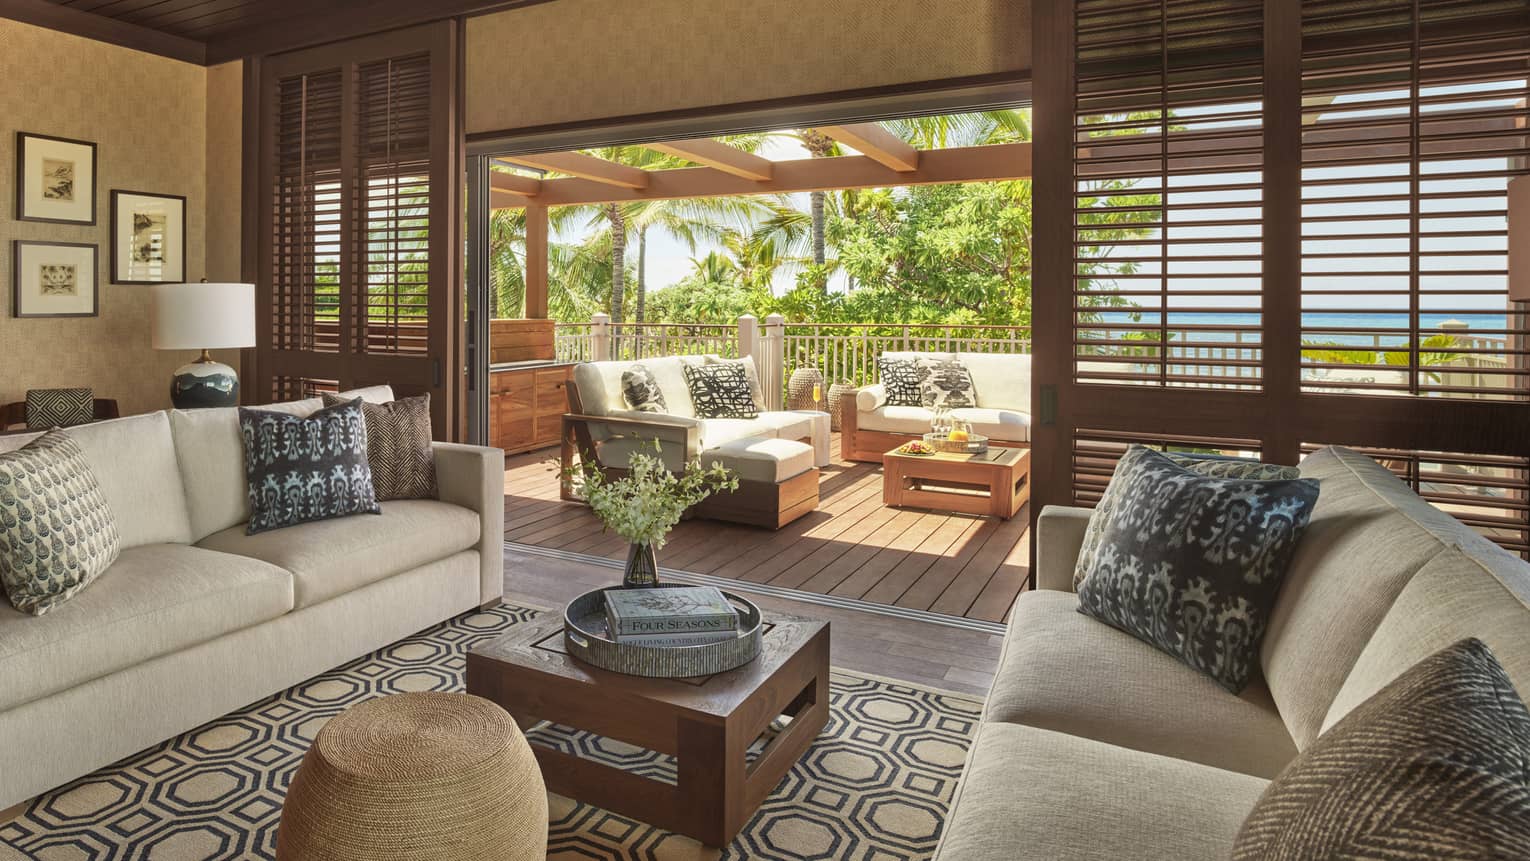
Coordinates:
1192	564
57	533
1216	466
641	391
903	379
305	469
399	450
945	383
1435	765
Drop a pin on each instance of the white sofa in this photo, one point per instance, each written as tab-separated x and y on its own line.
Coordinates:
871	427
1093	744
776	455
196	619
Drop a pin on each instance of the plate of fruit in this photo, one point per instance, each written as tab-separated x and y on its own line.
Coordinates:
916	447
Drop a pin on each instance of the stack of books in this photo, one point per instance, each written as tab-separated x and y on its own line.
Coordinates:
670	616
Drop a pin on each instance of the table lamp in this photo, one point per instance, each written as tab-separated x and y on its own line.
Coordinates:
204	317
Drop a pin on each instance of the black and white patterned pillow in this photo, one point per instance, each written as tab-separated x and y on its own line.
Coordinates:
720	391
1192	564
1434	765
947	384
57	533
1216	466
641	391
305	469
60	408
902	379
399	449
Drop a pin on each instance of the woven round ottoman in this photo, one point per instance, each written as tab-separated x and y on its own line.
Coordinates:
419	776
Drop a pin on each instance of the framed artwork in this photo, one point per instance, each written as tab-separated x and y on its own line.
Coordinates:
55	179
54	279
148	238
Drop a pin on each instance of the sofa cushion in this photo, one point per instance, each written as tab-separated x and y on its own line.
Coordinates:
1002	380
1006	425
763	459
903	379
1066	672
718	432
332	557
154	600
945	383
599	384
795	424
305	469
895	418
640	392
1368	536
398	446
1030	793
720	390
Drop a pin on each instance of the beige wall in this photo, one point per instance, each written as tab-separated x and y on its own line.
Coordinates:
225	151
574	60
149	117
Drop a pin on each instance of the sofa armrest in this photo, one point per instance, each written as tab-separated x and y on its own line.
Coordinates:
676	430
474	477
1059	536
868	398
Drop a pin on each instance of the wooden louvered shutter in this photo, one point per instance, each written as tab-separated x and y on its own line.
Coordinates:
359	272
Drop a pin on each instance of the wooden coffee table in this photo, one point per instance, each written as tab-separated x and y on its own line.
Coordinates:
708	724
996	482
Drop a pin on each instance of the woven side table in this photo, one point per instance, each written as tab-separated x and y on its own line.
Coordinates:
422	776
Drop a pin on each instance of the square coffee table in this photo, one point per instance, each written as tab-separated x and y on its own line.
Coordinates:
996	482
708	724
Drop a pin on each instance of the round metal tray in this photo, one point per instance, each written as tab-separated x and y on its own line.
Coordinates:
586	636
975	444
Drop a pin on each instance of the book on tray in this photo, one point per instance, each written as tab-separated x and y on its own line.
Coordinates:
670	616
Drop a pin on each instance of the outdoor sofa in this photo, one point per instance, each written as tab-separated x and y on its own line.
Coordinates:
870	426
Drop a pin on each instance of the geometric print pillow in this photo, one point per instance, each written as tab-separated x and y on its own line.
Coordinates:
305	469
903	379
57	533
720	391
946	384
1192	565
399	452
1434	765
60	408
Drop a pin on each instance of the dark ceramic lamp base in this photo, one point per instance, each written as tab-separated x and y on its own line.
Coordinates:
204	384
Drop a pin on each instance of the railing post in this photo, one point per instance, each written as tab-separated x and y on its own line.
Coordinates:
600	337
749	340
773	378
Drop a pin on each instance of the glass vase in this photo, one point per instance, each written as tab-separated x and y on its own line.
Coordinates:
642	570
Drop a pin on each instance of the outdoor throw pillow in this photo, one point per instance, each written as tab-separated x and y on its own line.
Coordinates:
750	373
1192	564
641	391
1217	466
720	391
57	533
902	378
305	469
60	408
1435	765
945	383
399	450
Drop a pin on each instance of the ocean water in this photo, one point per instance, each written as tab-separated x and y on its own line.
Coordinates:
1490	323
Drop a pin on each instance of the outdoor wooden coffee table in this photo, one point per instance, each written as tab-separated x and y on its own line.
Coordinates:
996	482
708	724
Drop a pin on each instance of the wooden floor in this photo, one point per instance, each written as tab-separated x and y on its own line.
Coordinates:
924	653
851	547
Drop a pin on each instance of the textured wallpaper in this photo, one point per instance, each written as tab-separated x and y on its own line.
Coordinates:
148	117
575	60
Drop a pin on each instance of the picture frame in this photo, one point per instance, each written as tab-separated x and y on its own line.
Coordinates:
55	179
54	279
148	238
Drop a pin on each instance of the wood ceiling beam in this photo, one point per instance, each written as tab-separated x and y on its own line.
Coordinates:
515	183
587	167
718	155
964	164
103	29
877	143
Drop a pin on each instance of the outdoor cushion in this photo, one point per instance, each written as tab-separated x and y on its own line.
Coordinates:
717	432
1002	380
1006	425
892	418
762	459
328	558
1030	794
1063	671
869	398
797	425
154	600
599	384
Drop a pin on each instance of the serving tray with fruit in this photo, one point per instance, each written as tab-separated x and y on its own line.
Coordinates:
965	443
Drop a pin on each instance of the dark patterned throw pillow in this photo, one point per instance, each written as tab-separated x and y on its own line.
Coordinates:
305	469
57	533
641	391
945	383
903	379
1192	564
720	391
399	450
1214	465
60	408
1434	765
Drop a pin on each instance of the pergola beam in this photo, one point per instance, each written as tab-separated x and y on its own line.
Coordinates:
583	166
718	155
962	164
515	183
877	143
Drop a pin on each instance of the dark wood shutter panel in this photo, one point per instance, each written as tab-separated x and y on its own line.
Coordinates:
306	224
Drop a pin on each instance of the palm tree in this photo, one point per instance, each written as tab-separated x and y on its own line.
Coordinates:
818	145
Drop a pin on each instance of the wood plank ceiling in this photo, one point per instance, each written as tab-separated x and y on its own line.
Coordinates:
203	20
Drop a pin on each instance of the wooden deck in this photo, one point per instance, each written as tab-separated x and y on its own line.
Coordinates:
851	547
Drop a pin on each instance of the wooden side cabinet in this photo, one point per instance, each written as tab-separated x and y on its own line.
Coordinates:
526	406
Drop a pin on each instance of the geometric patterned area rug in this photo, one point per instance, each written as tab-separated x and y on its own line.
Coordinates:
875	786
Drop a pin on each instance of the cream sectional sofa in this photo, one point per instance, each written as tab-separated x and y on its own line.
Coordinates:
196	619
776	455
1093	744
870	427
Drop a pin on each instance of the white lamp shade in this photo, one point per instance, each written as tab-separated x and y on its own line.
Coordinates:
203	316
